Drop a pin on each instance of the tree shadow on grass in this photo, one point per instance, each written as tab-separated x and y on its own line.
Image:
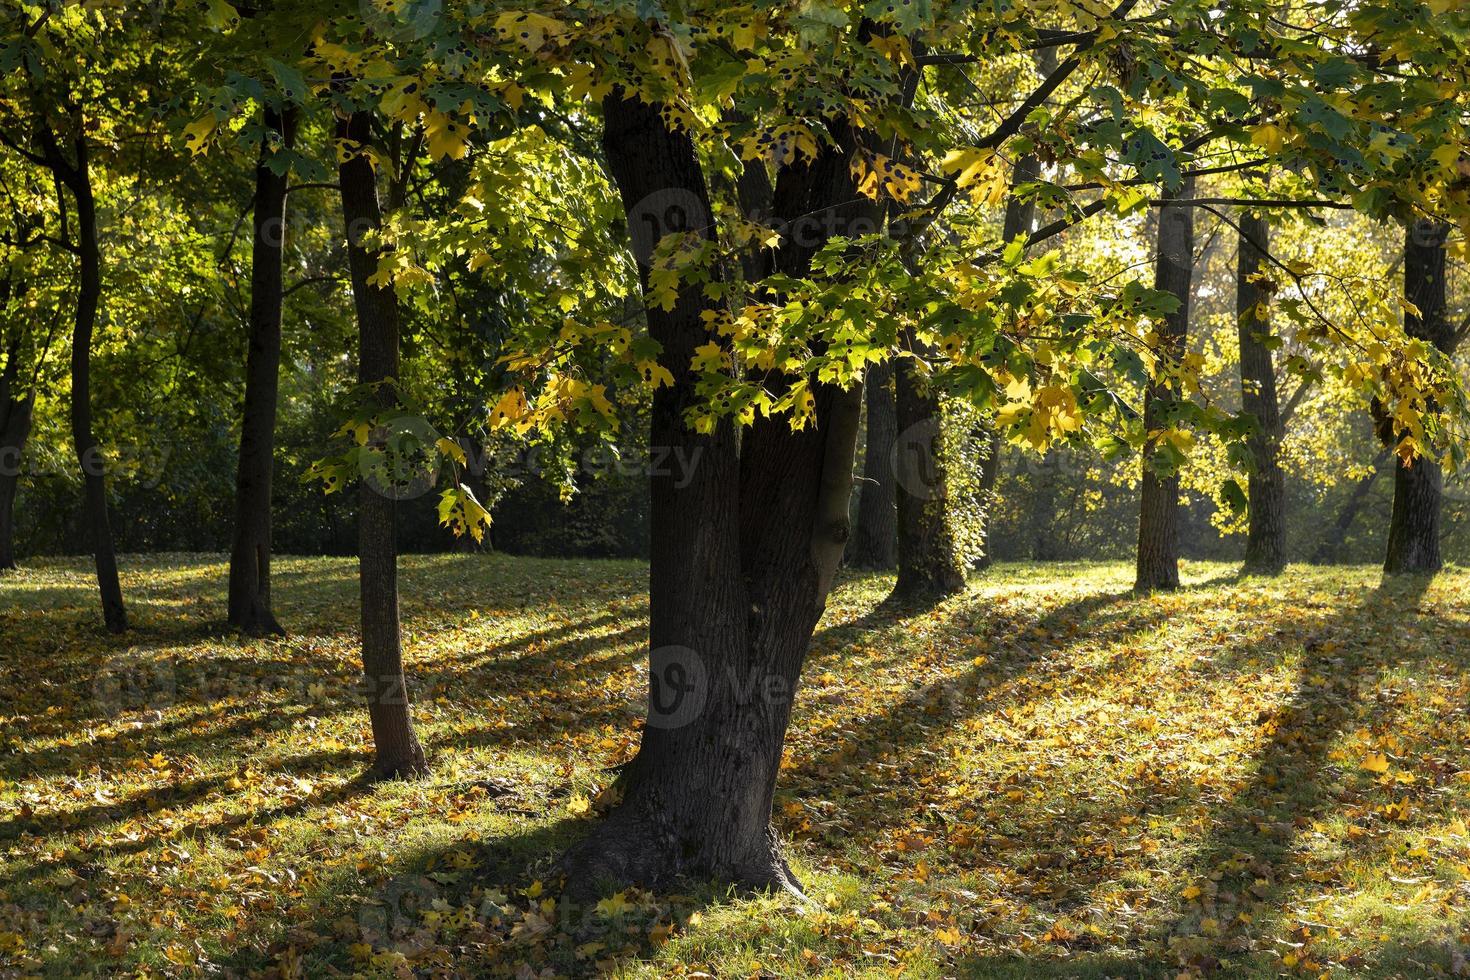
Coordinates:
465	907
1236	883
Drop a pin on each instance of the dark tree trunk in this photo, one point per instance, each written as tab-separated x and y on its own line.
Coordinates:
1265	549
875	538
743	556
1158	518
15	428
250	558
1413	531
1331	545
929	565
78	179
398	752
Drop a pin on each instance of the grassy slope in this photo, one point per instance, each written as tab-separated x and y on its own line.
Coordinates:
1045	777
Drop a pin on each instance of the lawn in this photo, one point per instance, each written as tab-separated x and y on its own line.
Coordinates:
1045	777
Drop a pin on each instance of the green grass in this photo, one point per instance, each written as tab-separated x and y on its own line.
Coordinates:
1045	777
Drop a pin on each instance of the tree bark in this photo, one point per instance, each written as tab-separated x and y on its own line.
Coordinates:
1265	549
929	565
1413	531
1158	518
743	554
398	752
15	427
78	179
875	538
250	558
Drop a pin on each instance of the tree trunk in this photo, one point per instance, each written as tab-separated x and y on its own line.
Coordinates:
1413	531
1046	474
875	538
929	565
1158	518
398	752
1265	549
250	558
1331	544
743	554
90	457
15	427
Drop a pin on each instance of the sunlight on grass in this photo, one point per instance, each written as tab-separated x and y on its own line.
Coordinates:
1046	776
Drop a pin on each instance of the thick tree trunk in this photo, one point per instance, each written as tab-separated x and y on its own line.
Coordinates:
1413	531
743	555
929	565
1158	518
250	558
1331	544
15	428
89	453
875	538
398	752
1265	549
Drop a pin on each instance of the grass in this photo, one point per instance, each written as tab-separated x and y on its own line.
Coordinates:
1045	777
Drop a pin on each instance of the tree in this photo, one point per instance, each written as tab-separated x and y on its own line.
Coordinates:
1413	530
875	536
1158	516
397	748
74	173
1265	550
250	556
929	563
16	407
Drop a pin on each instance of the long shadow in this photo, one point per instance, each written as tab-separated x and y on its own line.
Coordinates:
1246	862
895	729
503	891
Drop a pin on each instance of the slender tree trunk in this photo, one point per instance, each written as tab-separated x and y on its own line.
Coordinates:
1265	549
78	179
1331	545
875	538
989	481
1413	531
1045	475
743	554
1158	519
398	752
250	558
15	427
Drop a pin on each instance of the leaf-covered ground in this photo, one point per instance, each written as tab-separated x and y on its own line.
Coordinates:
1044	777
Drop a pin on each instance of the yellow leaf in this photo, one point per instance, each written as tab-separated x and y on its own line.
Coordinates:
1374	762
1269	137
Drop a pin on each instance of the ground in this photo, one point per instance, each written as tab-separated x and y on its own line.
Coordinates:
1045	777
